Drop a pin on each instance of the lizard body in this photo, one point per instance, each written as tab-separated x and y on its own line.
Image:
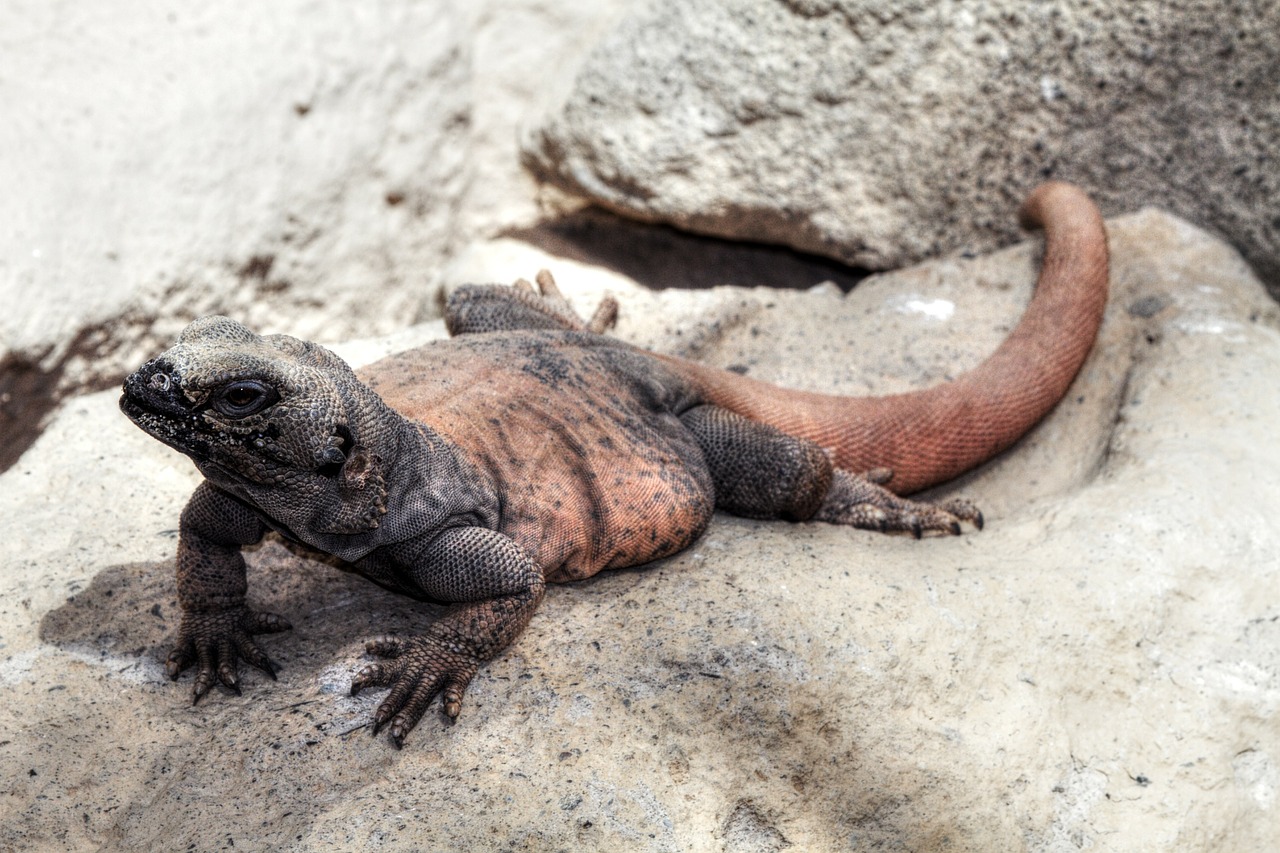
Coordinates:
530	448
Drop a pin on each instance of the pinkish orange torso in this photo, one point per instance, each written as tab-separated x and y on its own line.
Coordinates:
576	437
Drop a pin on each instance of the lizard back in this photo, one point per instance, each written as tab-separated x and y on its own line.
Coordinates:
576	435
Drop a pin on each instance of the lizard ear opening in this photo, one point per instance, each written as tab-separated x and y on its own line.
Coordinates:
334	457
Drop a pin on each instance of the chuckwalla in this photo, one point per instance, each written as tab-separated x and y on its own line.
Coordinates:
531	448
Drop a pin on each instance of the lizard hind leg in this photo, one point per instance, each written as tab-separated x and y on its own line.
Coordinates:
757	470
496	308
862	501
761	472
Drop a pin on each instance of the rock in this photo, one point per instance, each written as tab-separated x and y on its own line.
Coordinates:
1098	667
300	165
880	135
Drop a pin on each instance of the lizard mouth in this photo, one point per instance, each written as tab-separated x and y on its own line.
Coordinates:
152	398
154	388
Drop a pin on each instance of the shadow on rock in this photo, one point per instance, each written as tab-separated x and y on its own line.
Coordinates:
660	257
132	609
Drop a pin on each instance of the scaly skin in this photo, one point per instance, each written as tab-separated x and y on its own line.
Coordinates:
530	449
931	436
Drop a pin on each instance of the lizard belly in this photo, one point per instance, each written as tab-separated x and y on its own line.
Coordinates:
591	471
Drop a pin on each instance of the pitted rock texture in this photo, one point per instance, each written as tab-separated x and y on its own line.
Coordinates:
304	166
881	134
1096	669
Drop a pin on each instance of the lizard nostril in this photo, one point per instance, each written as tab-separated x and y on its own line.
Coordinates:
160	381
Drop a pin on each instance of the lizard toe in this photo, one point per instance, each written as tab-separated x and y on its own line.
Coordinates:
419	669
254	656
375	675
409	714
964	510
254	622
227	666
227	675
861	501
202	685
179	661
217	641
385	646
452	696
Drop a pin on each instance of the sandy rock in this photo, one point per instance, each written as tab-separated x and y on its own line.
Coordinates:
305	166
881	134
1100	667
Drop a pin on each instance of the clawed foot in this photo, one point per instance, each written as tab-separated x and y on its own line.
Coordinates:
216	641
476	308
861	501
548	292
415	669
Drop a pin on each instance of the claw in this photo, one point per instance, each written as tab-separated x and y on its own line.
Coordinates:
452	704
204	682
416	669
216	641
379	720
862	501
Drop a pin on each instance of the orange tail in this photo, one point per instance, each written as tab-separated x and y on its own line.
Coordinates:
927	437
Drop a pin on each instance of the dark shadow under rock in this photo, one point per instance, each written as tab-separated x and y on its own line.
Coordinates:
661	257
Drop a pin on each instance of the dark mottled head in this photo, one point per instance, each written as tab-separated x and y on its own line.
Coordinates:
270	411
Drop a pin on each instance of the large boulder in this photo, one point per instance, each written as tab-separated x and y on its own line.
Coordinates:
305	166
880	134
1099	667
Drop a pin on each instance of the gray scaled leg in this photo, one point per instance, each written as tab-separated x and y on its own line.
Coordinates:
496	308
496	587
217	627
759	471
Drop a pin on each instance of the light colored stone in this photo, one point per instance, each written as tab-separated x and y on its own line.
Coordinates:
304	165
1099	668
881	134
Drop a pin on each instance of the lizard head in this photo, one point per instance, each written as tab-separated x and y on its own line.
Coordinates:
270	410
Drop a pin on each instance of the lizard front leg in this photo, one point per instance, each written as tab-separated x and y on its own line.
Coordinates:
217	627
496	587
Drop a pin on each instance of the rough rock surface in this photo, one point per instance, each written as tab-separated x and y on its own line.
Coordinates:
1099	668
881	134
304	165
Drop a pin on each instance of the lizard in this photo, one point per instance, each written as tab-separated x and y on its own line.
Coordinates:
532	448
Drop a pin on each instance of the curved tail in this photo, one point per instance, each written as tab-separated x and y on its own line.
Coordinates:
930	436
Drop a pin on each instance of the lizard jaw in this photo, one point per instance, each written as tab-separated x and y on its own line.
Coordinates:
152	398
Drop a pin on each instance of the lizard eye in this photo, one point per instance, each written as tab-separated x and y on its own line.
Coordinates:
244	398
